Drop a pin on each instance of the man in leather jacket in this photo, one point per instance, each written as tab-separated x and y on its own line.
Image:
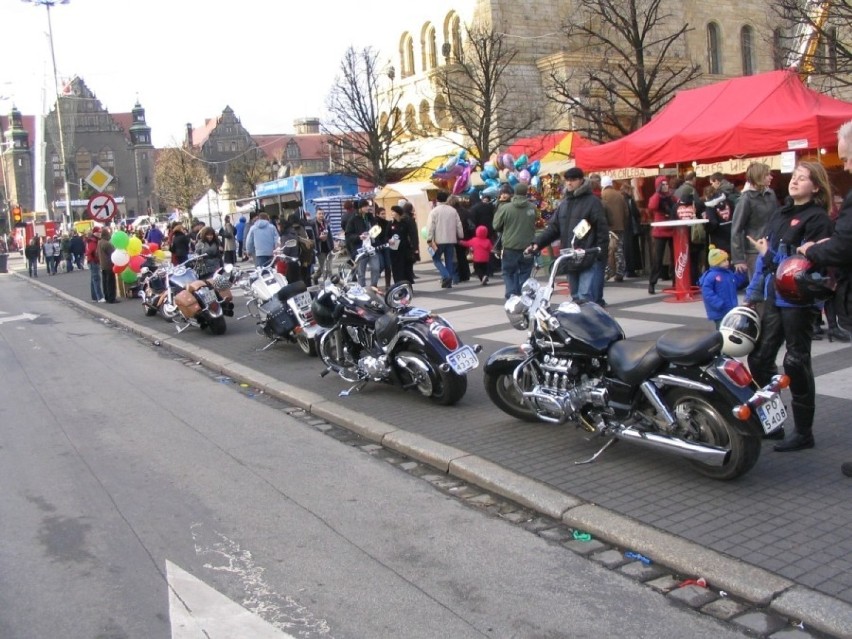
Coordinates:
837	250
580	203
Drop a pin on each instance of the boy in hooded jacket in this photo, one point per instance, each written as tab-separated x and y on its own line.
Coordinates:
719	285
481	246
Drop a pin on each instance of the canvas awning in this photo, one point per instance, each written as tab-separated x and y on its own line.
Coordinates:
748	116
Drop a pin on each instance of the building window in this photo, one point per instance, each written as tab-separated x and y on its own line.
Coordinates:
778	48
293	152
406	55
233	147
452	34
82	163
429	47
714	49
747	49
106	158
57	166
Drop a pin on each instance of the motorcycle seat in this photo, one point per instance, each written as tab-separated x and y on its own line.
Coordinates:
689	347
633	362
291	290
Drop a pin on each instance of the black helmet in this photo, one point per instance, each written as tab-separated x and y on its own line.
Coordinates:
740	330
797	281
324	309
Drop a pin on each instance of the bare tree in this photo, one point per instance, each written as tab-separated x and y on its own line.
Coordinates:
248	170
815	38
365	122
181	177
480	103
628	62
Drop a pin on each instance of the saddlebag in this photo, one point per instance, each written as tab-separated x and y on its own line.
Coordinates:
279	319
187	303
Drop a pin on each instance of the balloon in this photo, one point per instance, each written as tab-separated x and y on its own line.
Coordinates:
118	269
119	239
461	183
513	179
159	254
153	247
493	182
524	176
127	276
535	182
450	163
424	233
462	154
521	162
120	257
134	246
490	171
508	161
534	167
136	263
491	191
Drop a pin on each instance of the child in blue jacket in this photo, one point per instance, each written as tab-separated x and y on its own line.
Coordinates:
719	285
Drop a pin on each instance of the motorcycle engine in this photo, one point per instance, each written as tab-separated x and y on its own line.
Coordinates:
376	368
564	389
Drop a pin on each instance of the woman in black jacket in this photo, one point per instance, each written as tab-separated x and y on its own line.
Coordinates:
402	257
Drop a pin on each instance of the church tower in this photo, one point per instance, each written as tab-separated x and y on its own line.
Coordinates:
143	160
17	163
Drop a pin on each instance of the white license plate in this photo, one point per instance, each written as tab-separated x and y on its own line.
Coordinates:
303	300
463	360
772	414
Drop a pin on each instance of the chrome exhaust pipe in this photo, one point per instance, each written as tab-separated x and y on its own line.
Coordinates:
703	453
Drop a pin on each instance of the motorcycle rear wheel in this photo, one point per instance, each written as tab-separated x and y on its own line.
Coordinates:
503	393
217	325
307	344
444	388
150	311
715	429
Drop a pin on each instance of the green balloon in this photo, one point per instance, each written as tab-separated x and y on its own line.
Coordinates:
120	239
128	276
424	233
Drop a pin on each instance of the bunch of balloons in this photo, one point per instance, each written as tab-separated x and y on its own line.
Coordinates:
130	254
505	168
454	174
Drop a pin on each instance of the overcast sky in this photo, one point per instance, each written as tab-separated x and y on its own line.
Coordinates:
271	61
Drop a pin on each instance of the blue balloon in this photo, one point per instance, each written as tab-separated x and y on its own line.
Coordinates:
462	154
493	182
491	191
513	179
535	182
534	167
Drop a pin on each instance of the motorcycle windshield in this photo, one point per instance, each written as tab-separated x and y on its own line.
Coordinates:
184	279
591	327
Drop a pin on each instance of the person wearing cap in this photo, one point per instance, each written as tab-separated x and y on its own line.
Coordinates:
617	217
719	285
515	219
578	204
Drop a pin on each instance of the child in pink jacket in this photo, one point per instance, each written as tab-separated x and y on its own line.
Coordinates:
481	246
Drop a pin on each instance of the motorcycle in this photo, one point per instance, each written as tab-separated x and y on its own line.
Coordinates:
681	394
367	337
179	295
282	309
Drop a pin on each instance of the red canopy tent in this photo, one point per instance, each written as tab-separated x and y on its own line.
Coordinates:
748	116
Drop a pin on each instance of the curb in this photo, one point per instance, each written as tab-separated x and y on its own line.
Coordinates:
750	583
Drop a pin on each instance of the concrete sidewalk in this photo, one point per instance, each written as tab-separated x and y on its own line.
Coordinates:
777	538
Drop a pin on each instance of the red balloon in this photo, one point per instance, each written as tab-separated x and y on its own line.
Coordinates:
153	247
136	263
118	269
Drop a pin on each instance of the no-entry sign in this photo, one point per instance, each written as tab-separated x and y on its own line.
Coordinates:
101	207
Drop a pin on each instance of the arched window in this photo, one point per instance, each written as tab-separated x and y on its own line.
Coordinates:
82	163
293	152
452	35
714	49
429	47
411	119
106	159
406	55
425	116
747	49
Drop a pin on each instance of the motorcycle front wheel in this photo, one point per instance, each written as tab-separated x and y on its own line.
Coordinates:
712	427
503	392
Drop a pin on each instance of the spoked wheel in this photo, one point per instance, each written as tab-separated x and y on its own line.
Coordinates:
699	415
332	352
504	393
307	344
217	325
444	388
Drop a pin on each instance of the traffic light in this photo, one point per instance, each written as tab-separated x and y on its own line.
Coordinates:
16	214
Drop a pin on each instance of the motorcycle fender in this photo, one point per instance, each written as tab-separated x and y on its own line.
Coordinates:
505	360
313	331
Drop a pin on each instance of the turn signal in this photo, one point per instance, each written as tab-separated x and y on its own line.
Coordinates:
742	412
783	381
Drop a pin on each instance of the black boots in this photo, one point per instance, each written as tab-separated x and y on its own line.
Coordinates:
802	437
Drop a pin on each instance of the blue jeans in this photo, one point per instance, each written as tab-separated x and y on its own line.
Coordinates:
447	268
95	282
584	283
517	268
375	269
262	260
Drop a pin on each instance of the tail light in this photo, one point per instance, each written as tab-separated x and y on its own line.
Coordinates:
737	372
447	337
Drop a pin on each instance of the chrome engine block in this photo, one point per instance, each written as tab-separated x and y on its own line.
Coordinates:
563	390
376	368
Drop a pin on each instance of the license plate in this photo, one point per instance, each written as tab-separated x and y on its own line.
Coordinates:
463	360
303	300
772	414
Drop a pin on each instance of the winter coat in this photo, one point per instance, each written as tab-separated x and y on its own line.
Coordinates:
751	213
444	225
616	209
719	228
92	250
211	252
262	239
31	251
483	215
241	229
480	245
719	290
78	245
661	206
228	235
179	247
579	204
402	229
515	219
356	226
105	249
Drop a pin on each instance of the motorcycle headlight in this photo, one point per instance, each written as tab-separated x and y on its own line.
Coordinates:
516	309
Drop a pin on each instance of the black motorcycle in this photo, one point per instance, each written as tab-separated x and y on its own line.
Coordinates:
680	394
368	337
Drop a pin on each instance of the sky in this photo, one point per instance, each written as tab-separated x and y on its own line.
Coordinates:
271	61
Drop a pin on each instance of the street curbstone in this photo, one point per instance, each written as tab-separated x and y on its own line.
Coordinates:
422	449
817	610
359	423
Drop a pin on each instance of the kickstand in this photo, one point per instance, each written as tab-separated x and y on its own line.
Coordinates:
353	389
597	454
270	345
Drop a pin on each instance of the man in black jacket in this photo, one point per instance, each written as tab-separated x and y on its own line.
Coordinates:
580	203
837	250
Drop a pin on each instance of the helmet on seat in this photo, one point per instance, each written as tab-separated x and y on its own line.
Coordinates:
324	309
797	281
740	330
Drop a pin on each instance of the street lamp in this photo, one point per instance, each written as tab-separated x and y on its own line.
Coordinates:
47	4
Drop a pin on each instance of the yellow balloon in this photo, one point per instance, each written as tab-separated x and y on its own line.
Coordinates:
134	246
159	254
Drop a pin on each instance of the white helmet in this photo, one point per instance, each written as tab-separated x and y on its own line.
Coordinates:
740	330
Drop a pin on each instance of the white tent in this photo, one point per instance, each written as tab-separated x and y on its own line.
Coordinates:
420	194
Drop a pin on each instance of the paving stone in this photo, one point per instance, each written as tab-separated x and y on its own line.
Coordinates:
792	633
762	623
515	517
483	499
322	426
693	596
611	558
585	547
664	584
560	533
371	448
724	608
538	524
409	466
465	492
641	572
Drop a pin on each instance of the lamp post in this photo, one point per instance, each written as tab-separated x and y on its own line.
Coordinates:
47	4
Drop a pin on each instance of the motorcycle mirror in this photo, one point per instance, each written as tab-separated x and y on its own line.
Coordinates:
229	268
